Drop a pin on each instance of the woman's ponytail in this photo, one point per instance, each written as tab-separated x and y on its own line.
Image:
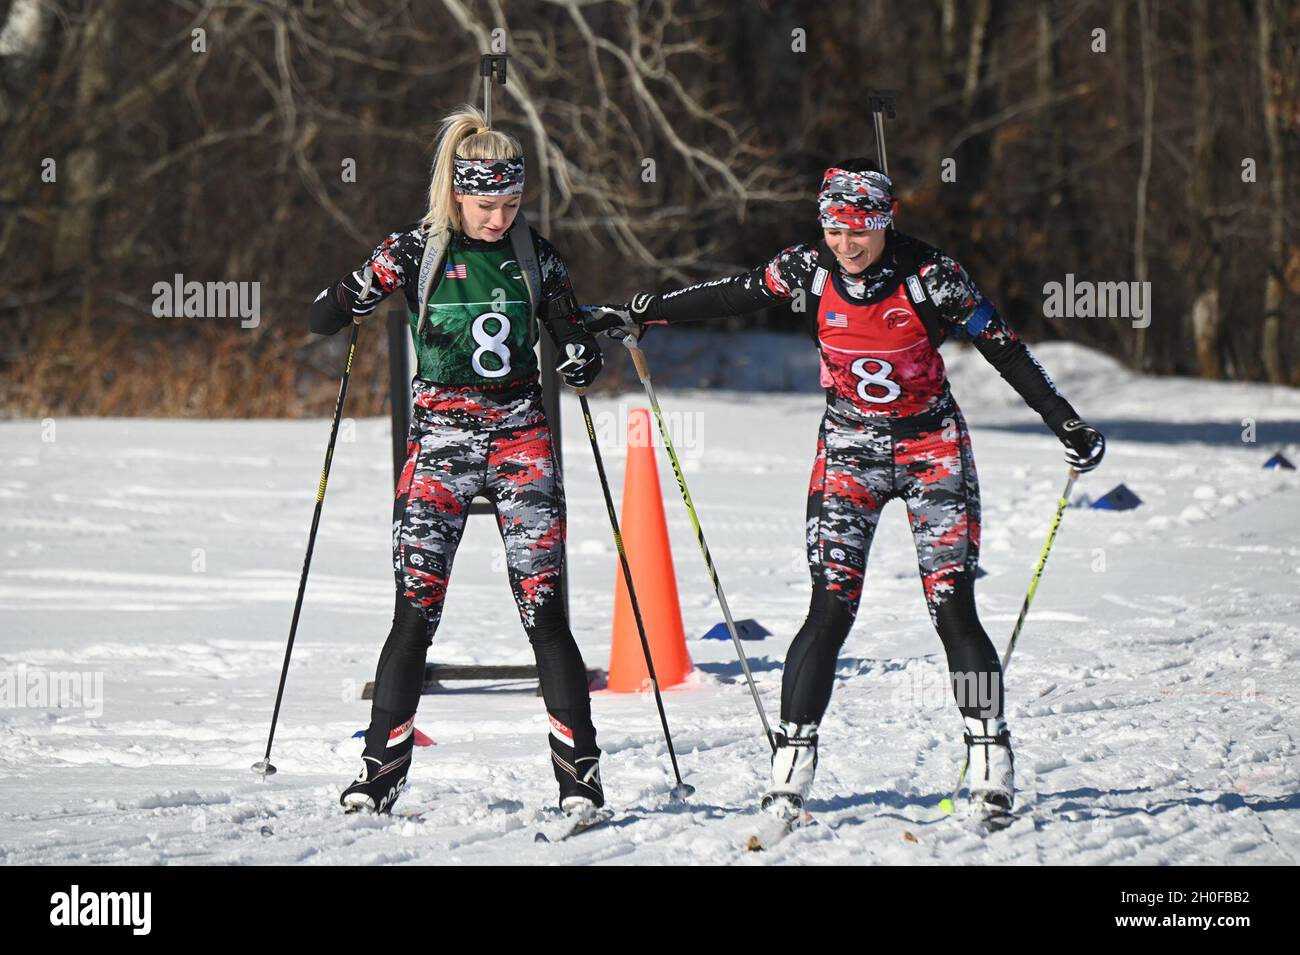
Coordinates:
463	134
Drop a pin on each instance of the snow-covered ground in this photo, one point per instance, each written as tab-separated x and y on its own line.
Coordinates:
1153	696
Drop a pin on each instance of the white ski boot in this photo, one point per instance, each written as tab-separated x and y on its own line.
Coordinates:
991	770
580	814
579	810
794	763
793	766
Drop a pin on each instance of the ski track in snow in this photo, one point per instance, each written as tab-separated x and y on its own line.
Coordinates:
1152	698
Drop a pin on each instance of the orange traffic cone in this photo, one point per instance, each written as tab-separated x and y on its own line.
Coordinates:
645	538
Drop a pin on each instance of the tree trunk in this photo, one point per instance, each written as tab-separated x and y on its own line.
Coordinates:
948	32
1049	158
1271	339
1207	330
1140	267
1205	270
81	172
23	39
979	30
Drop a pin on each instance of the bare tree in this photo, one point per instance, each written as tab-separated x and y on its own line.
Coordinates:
23	39
1205	271
667	142
1270	89
1147	20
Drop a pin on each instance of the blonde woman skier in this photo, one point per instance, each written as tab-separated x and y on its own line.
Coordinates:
478	284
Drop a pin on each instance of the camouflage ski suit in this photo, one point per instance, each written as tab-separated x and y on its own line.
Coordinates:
891	430
478	430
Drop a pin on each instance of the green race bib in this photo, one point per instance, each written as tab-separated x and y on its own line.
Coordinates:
479	329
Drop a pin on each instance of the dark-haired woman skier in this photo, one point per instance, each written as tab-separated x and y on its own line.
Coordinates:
879	304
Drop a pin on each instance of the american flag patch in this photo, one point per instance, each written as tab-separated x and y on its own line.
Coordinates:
837	320
457	271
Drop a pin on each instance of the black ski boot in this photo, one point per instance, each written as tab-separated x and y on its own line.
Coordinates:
576	760
384	766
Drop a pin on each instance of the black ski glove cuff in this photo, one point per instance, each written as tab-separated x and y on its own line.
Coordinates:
615	321
645	308
1057	418
581	359
327	315
560	311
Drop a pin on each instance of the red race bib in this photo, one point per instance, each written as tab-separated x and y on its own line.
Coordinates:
878	356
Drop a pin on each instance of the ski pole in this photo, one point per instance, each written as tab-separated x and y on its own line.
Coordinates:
491	65
948	804
643	372
881	101
682	789
1038	569
263	766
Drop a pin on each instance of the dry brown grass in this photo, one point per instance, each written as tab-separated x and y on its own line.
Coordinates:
64	366
61	365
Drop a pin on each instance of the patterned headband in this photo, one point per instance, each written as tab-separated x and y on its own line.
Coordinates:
488	177
855	200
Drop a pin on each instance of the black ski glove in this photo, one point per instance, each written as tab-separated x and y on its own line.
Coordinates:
352	299
616	321
1084	445
582	363
582	359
